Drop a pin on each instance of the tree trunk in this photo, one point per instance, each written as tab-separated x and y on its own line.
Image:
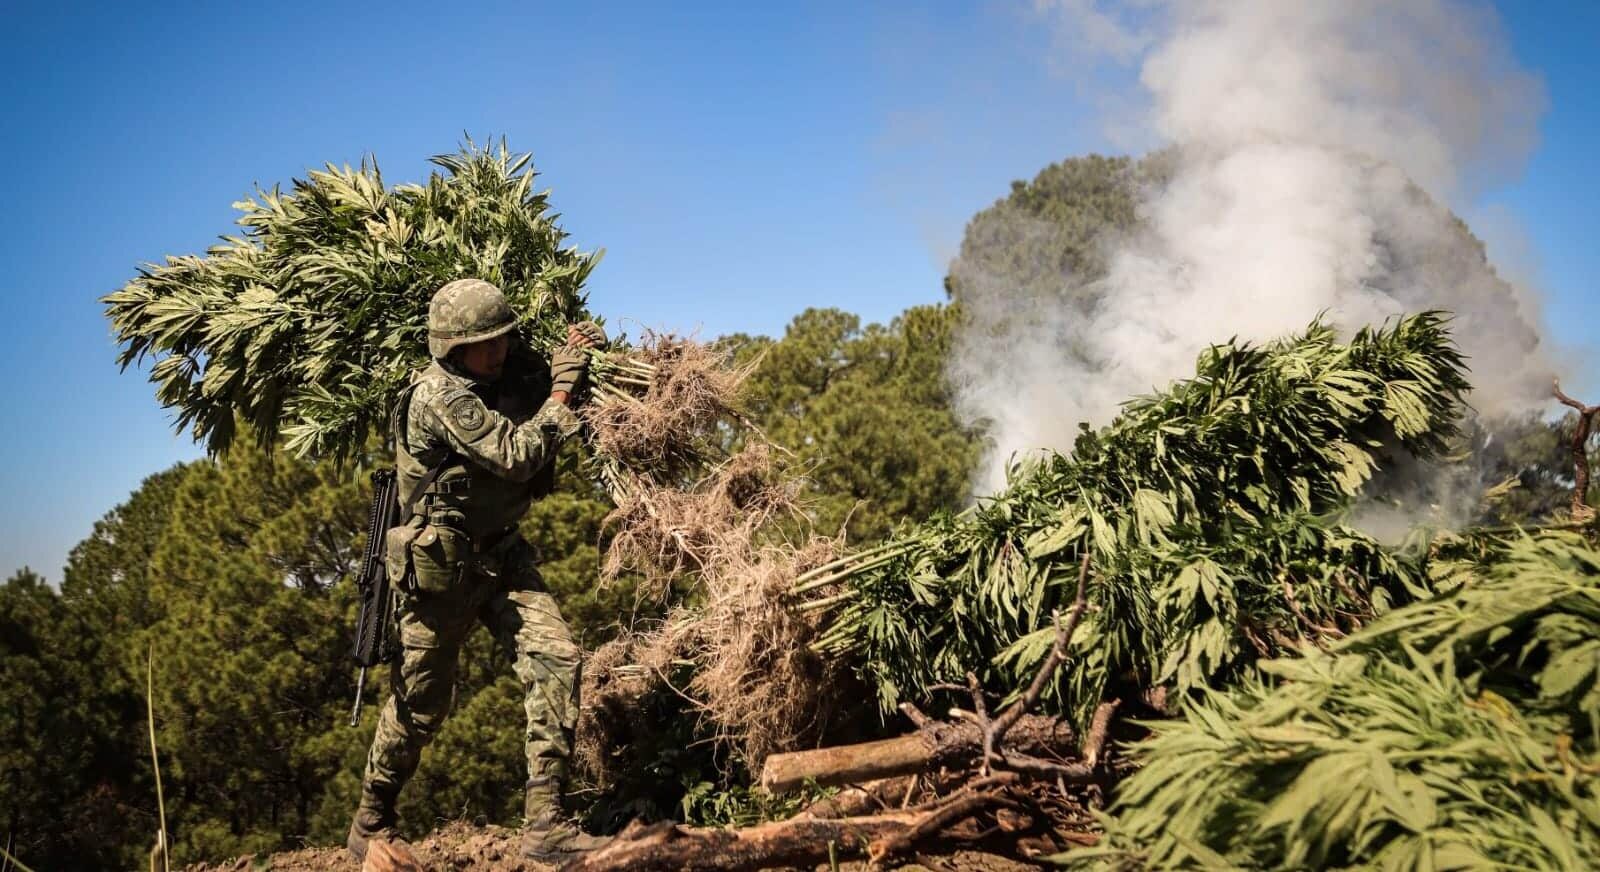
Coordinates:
794	842
936	744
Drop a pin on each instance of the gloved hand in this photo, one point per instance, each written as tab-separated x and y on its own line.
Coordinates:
567	366
586	334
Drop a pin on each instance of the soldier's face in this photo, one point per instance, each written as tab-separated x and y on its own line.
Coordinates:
486	359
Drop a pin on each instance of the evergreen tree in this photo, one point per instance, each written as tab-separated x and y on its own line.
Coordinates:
251	646
48	777
867	412
1046	235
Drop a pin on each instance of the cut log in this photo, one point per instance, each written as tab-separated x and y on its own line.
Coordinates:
936	744
794	842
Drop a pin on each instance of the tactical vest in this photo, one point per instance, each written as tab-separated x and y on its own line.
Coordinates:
466	496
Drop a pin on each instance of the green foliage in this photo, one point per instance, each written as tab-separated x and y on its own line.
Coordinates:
1534	455
251	647
1046	237
75	788
663	757
1198	507
46	696
1198	504
234	570
307	323
1456	732
708	805
867	412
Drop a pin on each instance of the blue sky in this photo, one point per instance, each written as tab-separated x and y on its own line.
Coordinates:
738	162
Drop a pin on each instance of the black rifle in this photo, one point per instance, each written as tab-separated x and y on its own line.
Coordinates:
373	644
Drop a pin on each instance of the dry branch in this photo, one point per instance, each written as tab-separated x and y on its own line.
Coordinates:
885	794
995	733
980	796
1580	455
1020	743
801	841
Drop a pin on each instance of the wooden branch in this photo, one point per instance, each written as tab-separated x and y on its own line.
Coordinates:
1004	742
1568	401
859	799
950	813
1580	509
940	743
1317	629
846	764
1080	770
1156	699
978	796
798	841
915	715
971	734
1047	670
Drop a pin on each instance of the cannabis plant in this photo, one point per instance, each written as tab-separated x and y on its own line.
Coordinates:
1207	512
307	322
1456	732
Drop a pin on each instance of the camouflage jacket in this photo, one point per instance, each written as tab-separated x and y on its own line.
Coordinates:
501	437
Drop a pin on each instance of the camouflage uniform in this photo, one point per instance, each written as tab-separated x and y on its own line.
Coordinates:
467	563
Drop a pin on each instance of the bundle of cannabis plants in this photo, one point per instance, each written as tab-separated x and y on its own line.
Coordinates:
307	322
1457	732
1206	513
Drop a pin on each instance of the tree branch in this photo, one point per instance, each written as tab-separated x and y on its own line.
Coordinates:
1047	670
956	810
1580	454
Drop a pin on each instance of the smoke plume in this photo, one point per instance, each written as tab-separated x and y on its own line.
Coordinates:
1296	141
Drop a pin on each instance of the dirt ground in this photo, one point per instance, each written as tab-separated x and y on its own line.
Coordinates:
462	847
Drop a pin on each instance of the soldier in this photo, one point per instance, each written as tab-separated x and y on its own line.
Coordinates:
468	433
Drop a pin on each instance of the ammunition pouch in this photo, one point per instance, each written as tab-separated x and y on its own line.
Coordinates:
440	554
397	563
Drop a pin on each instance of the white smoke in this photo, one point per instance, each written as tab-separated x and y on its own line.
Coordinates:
1297	130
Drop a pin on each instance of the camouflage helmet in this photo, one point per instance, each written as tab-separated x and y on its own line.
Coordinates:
467	311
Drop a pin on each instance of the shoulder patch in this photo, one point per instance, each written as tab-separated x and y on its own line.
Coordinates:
467	411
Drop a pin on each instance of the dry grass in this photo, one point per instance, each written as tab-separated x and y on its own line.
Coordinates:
689	512
759	685
755	683
662	533
619	679
669	432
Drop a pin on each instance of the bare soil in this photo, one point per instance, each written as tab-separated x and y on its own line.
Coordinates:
461	847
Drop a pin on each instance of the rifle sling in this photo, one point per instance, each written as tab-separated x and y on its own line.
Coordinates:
416	492
396	416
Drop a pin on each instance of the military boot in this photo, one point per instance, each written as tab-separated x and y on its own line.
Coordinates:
547	835
375	820
551	839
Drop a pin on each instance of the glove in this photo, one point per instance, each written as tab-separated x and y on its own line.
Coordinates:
592	332
567	366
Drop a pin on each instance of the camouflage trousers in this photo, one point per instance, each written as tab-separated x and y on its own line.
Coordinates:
507	595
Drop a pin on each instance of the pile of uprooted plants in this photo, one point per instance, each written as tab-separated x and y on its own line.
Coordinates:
1167	649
